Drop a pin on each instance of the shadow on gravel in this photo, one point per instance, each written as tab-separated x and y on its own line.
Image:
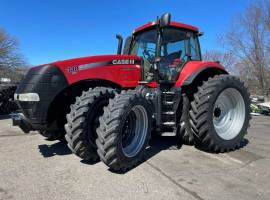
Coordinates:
2	117
243	143
156	145
58	148
86	162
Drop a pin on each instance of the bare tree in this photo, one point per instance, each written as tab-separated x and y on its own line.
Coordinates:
248	40
267	13
225	58
11	62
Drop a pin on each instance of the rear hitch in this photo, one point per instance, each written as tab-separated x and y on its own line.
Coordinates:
18	119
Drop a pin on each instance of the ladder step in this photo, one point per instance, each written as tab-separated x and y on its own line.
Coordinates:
168	92
168	113
169	123
168	102
168	134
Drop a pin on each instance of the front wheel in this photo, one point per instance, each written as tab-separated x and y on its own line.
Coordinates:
220	113
82	122
124	130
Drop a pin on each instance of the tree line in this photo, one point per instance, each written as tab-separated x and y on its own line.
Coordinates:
12	63
246	47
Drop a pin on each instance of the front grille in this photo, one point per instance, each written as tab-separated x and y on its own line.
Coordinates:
47	81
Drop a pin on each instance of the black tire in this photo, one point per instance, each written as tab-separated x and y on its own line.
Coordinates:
185	134
2	108
7	107
7	103
110	132
4	96
82	122
202	114
7	93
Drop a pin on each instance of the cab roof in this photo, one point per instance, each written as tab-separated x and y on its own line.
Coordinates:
173	24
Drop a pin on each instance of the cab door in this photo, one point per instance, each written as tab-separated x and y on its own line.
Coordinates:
178	47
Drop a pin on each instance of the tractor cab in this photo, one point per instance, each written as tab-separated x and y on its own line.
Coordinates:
165	47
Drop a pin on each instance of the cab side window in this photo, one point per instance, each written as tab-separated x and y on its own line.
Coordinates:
195	53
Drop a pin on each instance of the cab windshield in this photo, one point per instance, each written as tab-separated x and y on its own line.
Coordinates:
173	49
144	45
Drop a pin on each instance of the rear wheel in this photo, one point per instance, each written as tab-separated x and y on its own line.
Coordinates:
82	122
124	130
220	113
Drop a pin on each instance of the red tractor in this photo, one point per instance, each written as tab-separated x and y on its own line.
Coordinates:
106	107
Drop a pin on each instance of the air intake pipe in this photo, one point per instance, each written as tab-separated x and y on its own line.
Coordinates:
120	43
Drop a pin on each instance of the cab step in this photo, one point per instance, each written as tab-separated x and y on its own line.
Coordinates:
168	102
168	113
168	92
169	123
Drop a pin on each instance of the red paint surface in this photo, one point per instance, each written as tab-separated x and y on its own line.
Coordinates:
152	84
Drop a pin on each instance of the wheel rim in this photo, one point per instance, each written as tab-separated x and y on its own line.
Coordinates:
134	131
229	113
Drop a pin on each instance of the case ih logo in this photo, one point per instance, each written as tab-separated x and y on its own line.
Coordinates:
123	62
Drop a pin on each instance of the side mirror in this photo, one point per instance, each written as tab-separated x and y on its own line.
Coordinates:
127	45
200	34
165	20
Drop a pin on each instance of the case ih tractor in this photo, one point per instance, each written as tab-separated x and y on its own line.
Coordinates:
108	106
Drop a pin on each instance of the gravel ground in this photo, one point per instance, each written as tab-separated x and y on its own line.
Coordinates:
33	168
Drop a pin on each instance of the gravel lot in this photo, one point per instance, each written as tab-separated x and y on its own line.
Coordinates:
33	168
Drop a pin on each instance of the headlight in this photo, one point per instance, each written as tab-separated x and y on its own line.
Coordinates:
27	97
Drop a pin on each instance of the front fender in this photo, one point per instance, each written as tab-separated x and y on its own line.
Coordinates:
192	69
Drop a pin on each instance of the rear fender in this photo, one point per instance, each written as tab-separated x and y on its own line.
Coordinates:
193	69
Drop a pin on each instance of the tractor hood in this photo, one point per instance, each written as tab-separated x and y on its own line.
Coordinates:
123	70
